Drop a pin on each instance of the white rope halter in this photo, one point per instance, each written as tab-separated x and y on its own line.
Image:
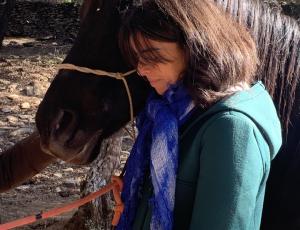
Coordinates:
102	73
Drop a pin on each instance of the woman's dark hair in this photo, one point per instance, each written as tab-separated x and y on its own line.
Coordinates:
220	53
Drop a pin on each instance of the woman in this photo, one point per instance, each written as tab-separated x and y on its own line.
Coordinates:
208	132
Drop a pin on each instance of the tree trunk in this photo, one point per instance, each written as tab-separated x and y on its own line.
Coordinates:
98	214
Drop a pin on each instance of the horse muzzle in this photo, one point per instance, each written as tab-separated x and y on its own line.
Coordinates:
69	143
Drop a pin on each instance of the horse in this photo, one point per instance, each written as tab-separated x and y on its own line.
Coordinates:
80	109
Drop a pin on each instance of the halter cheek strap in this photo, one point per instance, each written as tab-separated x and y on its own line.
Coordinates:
102	73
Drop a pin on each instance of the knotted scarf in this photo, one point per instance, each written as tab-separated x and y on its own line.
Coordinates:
156	148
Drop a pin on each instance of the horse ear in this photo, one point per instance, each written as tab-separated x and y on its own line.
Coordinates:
92	5
84	9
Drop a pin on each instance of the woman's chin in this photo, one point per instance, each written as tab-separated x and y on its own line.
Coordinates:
159	89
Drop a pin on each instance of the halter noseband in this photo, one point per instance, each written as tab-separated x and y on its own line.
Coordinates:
102	73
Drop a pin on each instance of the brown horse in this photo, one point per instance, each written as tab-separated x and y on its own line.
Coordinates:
79	110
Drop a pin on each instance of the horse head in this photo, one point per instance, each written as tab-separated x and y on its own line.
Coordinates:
79	110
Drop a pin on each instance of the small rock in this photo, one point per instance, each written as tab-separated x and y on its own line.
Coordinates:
5	82
6	110
64	193
59	175
13	43
76	191
12	119
21	131
9	144
38	89
23	187
42	177
29	90
21	124
25	105
29	182
35	59
25	116
125	152
4	127
68	170
70	183
35	88
35	101
13	97
11	88
45	38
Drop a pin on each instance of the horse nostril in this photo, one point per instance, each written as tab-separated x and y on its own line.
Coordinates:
65	121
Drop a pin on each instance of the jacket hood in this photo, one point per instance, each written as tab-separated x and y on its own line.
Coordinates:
267	122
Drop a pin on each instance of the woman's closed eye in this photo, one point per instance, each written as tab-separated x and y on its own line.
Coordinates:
152	60
147	62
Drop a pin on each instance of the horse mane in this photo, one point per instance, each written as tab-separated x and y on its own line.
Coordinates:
278	40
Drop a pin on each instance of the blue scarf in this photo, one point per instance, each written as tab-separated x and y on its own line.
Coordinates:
156	147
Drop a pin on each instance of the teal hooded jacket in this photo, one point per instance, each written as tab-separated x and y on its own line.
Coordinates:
224	162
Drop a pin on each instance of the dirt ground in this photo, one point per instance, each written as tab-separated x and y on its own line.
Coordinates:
27	67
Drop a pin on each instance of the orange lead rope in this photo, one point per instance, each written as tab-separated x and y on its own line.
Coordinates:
119	206
116	186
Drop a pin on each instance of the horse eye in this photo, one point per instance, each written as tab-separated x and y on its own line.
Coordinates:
105	107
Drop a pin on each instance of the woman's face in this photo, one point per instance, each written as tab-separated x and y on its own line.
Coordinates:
161	74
